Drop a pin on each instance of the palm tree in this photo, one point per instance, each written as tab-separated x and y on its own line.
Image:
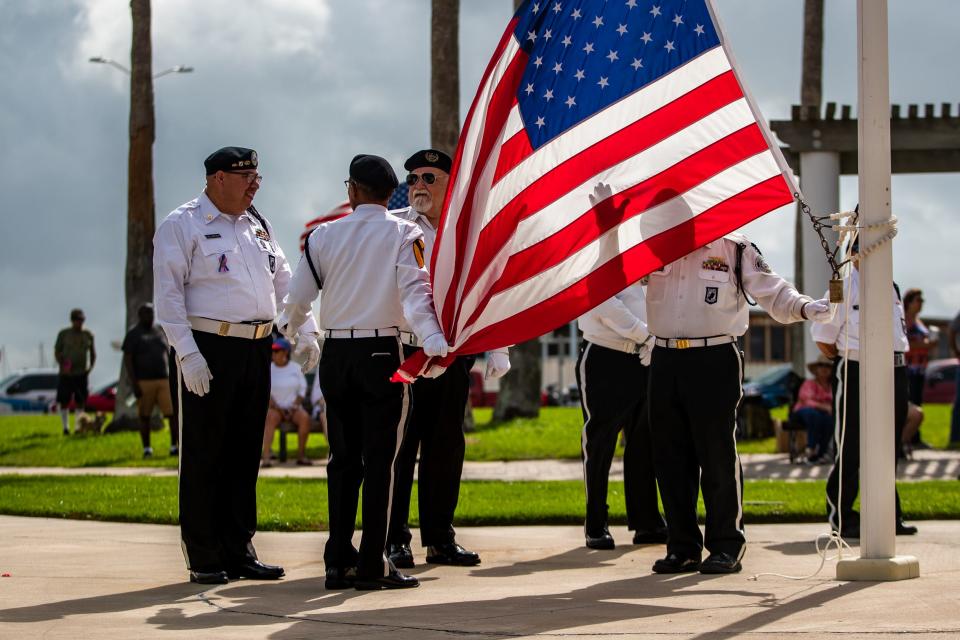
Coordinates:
140	201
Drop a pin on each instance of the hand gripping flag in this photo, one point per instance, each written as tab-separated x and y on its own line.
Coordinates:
606	139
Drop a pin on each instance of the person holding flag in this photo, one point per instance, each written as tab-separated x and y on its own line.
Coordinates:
370	267
436	421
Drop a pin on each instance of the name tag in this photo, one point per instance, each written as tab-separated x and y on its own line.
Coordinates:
211	236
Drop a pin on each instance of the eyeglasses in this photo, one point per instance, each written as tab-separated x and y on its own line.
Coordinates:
428	178
250	177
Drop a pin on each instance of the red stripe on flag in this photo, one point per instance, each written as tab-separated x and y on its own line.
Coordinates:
513	152
632	139
679	178
628	267
501	102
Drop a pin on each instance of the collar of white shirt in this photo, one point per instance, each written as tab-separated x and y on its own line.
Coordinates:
209	211
369	210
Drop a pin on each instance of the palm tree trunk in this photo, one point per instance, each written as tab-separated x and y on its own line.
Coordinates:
140	200
445	75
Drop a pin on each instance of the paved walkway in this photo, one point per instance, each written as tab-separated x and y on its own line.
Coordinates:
69	579
926	465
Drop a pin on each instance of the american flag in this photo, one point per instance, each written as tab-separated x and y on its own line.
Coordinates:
607	138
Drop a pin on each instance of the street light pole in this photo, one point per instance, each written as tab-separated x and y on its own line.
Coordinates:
180	68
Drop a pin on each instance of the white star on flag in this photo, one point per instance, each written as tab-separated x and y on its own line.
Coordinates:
622	29
636	64
699	29
655	11
540	122
669	46
567	41
677	20
579	75
548	95
612	56
557	67
603	82
557	8
570	101
598	22
589	47
646	37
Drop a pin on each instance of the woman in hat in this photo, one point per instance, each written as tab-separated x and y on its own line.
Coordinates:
288	388
814	409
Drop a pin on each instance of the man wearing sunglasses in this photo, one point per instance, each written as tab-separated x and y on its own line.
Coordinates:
218	274
436	422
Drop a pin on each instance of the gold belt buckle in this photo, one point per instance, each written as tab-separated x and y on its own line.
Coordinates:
263	330
224	329
682	343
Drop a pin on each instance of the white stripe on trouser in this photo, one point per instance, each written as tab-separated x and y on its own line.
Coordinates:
183	545
736	456
586	411
838	424
400	434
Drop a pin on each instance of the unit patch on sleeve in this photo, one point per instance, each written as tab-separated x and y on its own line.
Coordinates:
762	265
418	251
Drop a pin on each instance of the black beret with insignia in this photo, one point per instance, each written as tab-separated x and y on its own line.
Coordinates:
374	172
429	158
230	159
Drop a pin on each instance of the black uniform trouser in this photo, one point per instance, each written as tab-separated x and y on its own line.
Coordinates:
436	430
842	490
366	416
613	390
693	396
221	435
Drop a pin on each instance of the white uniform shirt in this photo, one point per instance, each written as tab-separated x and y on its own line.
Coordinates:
844	330
429	232
287	383
218	266
696	296
618	322
371	278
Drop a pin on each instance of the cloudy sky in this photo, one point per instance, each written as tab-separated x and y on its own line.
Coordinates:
309	83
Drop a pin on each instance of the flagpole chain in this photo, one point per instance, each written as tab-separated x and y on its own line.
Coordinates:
819	223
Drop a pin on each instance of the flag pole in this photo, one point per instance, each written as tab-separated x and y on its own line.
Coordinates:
878	559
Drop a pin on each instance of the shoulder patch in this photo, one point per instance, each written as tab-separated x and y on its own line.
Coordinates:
418	251
762	265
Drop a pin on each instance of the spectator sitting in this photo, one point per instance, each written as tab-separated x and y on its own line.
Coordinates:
922	340
287	390
814	410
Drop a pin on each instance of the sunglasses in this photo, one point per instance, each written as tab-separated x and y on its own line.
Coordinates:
428	178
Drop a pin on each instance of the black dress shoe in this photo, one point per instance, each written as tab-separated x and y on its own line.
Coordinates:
650	536
602	540
393	580
676	564
720	563
904	529
209	577
400	555
452	553
340	578
255	570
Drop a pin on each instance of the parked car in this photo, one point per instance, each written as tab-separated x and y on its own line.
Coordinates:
29	390
940	384
774	388
103	399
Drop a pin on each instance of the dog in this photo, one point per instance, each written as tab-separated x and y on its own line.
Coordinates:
90	424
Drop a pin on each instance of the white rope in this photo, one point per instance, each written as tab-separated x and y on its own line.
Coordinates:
832	539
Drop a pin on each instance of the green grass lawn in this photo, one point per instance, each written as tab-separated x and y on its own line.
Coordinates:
301	505
35	440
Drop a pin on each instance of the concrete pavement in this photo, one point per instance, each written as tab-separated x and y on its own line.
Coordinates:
72	579
926	465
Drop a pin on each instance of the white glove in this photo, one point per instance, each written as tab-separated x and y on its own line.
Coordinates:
646	353
196	374
307	353
436	346
498	363
818	310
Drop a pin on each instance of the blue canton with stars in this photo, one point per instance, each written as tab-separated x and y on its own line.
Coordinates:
587	54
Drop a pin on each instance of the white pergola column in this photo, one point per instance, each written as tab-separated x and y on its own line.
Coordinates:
820	183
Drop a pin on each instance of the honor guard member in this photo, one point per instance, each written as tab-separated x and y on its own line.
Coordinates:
218	274
839	340
436	420
370	267
612	378
697	307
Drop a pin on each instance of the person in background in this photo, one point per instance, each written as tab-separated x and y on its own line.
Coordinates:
814	409
288	388
75	355
954	335
922	341
145	355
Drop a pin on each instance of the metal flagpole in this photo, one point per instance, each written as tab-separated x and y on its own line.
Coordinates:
877	459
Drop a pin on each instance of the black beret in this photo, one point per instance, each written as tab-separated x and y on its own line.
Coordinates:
230	159
373	172
429	158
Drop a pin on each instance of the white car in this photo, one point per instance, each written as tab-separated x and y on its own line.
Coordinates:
28	390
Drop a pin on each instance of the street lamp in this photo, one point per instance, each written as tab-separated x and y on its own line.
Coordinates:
116	65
